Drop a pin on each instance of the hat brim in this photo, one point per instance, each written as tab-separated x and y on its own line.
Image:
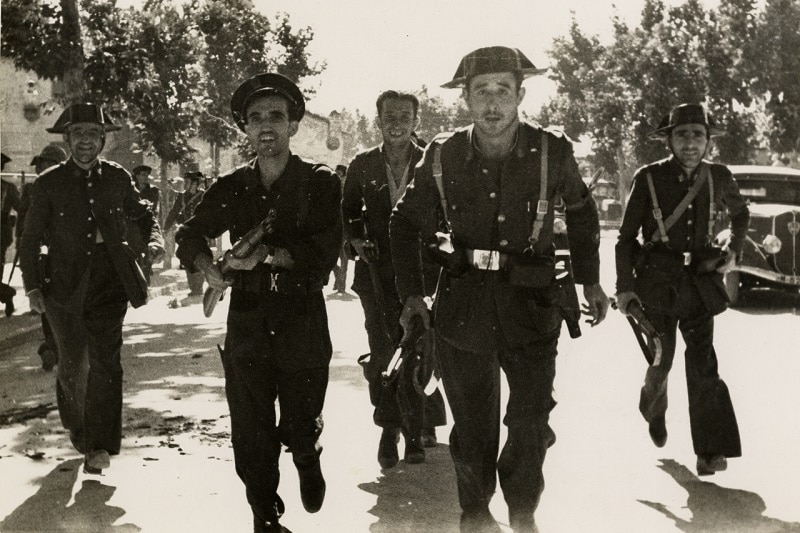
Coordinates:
265	84
63	129
459	83
663	133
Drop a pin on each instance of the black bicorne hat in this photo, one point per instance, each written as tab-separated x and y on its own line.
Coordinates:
90	113
492	59
687	114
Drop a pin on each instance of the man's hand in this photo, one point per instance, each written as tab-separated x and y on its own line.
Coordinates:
281	258
414	306
209	268
624	299
365	249
255	257
36	301
730	262
596	303
156	253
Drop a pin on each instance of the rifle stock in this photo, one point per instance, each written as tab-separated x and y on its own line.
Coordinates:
240	250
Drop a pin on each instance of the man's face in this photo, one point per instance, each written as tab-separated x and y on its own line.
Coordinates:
268	126
397	121
141	178
492	100
689	143
85	141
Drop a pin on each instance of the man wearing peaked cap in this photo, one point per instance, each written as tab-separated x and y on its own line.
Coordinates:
483	200
277	345
676	276
80	210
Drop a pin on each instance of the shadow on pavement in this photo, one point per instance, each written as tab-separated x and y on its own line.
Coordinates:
416	498
718	509
50	510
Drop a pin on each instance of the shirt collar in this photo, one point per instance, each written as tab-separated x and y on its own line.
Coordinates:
521	143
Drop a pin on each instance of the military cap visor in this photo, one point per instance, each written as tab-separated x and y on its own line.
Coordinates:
87	113
687	114
490	60
265	85
52	153
143	168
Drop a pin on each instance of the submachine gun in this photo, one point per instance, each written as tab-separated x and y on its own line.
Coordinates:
410	347
647	336
240	250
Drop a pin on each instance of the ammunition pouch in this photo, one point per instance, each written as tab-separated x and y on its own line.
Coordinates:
530	271
708	259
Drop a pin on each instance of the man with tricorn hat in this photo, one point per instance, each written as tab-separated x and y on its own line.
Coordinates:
277	346
674	271
80	210
484	196
152	194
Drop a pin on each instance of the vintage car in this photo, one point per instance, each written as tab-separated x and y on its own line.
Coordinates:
771	253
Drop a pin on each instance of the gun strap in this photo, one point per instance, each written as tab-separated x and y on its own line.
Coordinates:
637	332
664	225
437	177
542	205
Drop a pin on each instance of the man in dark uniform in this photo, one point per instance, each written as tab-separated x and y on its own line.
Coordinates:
80	209
492	189
278	345
181	210
151	194
340	270
9	200
677	276
50	156
376	180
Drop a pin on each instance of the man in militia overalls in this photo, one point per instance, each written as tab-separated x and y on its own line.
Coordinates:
489	191
278	346
80	210
676	274
376	179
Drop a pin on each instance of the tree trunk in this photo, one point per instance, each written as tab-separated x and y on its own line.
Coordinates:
74	87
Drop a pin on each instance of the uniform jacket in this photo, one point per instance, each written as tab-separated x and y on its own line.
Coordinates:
183	208
492	207
654	273
152	194
366	208
68	206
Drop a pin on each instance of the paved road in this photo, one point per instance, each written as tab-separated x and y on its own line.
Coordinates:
176	474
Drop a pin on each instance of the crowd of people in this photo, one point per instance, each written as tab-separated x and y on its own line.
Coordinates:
454	249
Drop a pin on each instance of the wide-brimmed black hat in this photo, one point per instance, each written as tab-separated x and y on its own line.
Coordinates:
687	114
492	59
91	113
51	152
264	85
142	168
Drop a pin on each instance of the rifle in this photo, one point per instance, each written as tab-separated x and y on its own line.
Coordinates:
568	295
406	348
240	250
647	336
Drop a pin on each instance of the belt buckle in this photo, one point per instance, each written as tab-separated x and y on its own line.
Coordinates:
687	258
486	259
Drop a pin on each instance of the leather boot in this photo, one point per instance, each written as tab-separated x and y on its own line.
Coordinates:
387	447
312	484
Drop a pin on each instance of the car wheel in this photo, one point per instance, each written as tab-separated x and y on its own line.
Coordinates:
732	286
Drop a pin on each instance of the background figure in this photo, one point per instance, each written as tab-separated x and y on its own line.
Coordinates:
151	194
80	209
473	200
277	346
50	156
676	276
376	180
9	200
340	270
181	210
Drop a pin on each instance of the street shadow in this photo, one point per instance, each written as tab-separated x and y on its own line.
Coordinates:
718	509
419	497
49	509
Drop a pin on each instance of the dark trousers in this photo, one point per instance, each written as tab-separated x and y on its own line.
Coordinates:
340	270
88	335
253	382
472	384
399	405
49	342
711	415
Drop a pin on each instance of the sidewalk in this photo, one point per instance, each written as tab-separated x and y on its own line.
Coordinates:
22	323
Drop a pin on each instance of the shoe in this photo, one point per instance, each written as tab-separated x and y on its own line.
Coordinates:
429	438
312	485
387	448
522	522
658	431
707	465
478	521
49	359
414	453
95	461
270	526
7	297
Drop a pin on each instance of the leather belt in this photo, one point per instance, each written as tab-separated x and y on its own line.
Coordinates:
486	259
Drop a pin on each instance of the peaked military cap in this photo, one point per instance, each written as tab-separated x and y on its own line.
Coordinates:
91	113
142	168
687	114
192	171
51	152
264	85
492	59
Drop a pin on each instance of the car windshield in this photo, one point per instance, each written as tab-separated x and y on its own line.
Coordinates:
775	189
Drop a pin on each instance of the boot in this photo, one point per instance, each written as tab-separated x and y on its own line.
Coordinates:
387	448
312	484
7	293
415	453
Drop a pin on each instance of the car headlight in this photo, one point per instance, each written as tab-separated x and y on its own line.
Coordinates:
772	244
559	226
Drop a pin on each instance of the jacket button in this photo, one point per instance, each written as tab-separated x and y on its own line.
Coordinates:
504	242
501	218
492	195
91	200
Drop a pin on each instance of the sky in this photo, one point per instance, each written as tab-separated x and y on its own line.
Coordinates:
373	45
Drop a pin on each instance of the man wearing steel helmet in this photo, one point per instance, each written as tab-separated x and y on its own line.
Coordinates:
277	346
675	273
80	209
485	196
